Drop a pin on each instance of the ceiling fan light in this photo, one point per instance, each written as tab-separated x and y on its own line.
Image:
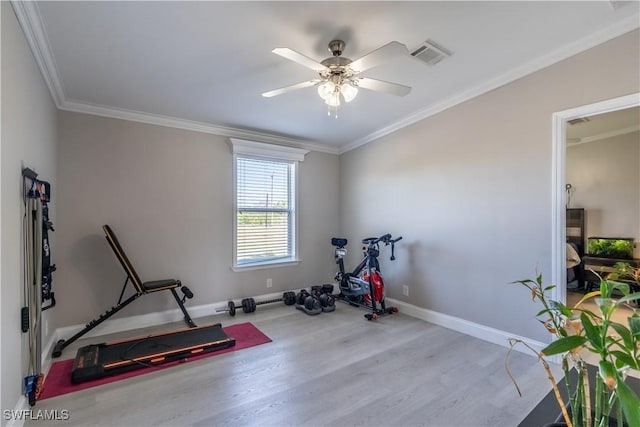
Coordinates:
326	89
333	100
349	92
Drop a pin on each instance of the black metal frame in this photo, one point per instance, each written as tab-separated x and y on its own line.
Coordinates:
141	288
369	262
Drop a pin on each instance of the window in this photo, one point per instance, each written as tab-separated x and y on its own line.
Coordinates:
265	203
265	210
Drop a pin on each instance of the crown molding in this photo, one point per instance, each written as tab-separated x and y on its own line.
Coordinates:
622	27
605	135
29	18
160	120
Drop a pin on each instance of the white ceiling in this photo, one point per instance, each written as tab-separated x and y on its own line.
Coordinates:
204	65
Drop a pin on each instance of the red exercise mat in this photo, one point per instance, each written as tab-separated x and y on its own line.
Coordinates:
58	380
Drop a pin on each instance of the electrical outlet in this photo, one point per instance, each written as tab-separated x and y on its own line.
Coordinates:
405	290
269	283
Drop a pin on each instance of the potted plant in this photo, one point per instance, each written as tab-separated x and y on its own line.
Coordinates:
615	346
626	273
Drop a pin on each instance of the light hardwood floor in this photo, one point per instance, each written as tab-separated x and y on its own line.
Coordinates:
334	369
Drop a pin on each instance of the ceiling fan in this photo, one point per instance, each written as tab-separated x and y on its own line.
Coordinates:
339	77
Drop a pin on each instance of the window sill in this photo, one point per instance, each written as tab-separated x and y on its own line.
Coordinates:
266	264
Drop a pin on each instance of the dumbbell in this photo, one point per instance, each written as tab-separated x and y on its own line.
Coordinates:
308	302
324	295
302	296
327	302
249	304
319	299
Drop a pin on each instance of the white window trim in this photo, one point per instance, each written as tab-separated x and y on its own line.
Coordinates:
270	151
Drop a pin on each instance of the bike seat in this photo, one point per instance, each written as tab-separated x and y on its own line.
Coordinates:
369	240
339	242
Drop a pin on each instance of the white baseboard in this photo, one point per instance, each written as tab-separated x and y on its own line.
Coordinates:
135	322
123	324
476	330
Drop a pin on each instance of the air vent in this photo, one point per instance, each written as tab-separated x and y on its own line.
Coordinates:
578	120
617	4
431	53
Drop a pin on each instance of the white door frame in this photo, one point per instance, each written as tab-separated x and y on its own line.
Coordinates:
558	182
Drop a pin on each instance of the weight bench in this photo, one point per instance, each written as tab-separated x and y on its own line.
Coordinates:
140	288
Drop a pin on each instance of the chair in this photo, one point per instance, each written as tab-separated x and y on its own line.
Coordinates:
140	288
575	265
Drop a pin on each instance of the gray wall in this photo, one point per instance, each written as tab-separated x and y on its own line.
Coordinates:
28	139
167	193
470	190
606	177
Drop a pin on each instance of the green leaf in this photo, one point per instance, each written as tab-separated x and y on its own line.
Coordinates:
588	296
631	297
624	333
623	267
555	305
541	312
608	374
626	359
593	332
564	344
622	287
605	289
634	324
526	283
630	403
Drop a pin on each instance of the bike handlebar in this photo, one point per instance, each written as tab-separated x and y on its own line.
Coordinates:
385	238
372	241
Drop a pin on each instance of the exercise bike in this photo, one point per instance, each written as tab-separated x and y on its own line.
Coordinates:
364	286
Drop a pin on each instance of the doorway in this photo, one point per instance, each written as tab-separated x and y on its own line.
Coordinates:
559	195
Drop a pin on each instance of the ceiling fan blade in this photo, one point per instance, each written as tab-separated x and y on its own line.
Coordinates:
381	55
299	58
382	86
290	88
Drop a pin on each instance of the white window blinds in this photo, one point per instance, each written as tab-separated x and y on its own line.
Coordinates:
265	210
264	203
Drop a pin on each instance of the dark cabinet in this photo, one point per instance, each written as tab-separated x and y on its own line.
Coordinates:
576	229
575	236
